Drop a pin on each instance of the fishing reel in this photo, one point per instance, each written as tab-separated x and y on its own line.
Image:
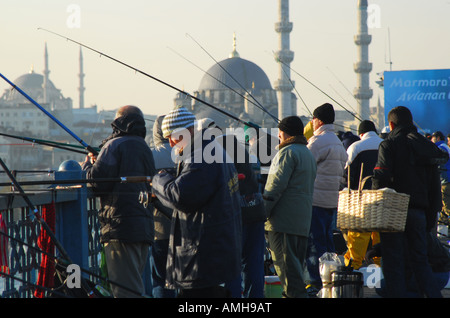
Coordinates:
144	198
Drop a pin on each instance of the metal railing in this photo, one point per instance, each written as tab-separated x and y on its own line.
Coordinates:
76	228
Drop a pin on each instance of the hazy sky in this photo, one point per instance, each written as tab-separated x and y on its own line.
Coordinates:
145	34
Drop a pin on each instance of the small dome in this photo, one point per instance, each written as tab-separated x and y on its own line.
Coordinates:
31	84
31	81
69	165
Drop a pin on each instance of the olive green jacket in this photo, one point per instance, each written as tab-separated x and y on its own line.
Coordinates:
289	189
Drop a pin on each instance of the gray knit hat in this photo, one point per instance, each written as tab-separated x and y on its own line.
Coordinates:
178	118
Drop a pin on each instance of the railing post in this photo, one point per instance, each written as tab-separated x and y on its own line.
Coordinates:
72	218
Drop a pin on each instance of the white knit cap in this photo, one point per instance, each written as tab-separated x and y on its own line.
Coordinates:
178	118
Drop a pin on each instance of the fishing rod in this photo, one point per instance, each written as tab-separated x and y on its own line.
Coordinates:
134	179
315	86
18	144
34	212
345	87
224	84
261	106
53	144
293	86
350	93
112	111
342	97
349	128
89	148
14	172
35	286
153	77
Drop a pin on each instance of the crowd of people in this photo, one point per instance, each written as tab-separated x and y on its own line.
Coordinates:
211	219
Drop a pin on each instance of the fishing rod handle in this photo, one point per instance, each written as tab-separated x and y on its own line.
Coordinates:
92	150
136	179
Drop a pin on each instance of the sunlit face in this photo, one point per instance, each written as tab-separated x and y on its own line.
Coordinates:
180	139
282	136
316	122
173	141
391	126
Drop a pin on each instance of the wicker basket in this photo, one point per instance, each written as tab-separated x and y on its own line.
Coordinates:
381	210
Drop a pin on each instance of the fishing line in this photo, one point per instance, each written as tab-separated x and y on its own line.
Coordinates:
152	77
262	107
224	84
34	213
28	283
338	125
345	87
54	259
350	93
30	171
348	104
315	86
135	179
53	144
292	84
89	148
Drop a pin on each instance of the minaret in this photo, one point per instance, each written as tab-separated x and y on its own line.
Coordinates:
283	86
182	99
46	75
362	67
81	76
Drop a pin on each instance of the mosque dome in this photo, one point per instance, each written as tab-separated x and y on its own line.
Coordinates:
31	81
235	73
32	84
239	88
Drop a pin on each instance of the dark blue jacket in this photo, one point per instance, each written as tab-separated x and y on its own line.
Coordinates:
125	153
205	238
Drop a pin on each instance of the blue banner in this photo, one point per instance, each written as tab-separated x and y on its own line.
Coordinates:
425	92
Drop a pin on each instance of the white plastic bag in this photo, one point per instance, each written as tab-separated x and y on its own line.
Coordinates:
328	263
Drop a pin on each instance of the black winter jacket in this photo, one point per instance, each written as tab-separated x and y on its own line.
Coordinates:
125	153
252	204
408	163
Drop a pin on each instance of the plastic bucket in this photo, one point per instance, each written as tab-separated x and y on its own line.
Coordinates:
272	287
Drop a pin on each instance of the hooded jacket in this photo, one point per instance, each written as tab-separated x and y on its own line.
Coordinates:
205	238
162	154
124	153
289	188
408	163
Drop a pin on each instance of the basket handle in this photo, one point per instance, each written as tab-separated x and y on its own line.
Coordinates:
364	181
360	176
361	182
348	179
